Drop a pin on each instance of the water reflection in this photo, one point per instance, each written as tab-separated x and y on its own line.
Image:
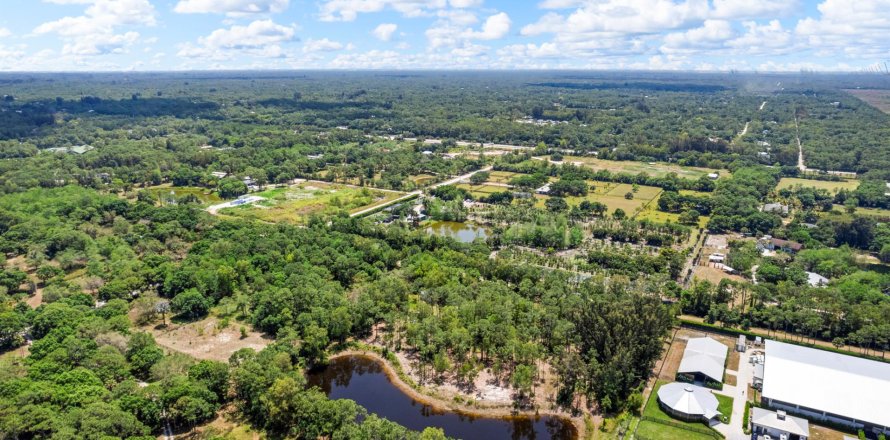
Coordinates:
363	380
460	231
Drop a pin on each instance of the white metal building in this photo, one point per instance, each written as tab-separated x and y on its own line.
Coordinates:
688	402
823	385
703	360
778	425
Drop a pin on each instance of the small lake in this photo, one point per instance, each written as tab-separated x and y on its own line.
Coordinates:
363	380
460	231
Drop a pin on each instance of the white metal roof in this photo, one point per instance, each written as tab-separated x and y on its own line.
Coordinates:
770	419
689	399
844	385
706	356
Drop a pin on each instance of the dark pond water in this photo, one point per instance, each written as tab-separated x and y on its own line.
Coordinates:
460	231
363	380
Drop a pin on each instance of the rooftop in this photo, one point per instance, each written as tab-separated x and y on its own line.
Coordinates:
779	421
844	385
706	356
689	399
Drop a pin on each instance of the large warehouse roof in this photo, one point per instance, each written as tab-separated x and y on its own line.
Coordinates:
847	386
706	356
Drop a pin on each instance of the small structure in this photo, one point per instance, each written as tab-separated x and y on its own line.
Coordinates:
778	425
724	268
713	176
783	245
688	402
742	344
716	257
757	383
544	189
219	174
703	362
775	208
816	280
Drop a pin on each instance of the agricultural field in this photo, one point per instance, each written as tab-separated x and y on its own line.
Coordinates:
879	99
166	194
654	169
294	204
832	187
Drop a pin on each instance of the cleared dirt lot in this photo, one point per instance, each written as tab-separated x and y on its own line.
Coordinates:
205	339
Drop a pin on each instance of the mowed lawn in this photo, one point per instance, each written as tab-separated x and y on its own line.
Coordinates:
832	187
656	169
296	203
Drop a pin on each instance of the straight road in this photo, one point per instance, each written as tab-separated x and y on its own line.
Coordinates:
413	194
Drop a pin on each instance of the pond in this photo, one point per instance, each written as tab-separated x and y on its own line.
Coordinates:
363	380
460	231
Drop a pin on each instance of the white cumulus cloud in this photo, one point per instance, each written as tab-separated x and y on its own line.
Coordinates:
95	32
384	31
231	7
261	38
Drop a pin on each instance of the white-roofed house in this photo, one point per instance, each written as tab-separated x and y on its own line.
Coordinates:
703	362
778	425
688	402
826	386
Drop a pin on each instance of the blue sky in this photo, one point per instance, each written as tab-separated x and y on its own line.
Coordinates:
785	35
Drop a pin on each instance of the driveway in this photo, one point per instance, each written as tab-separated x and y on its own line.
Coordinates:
739	394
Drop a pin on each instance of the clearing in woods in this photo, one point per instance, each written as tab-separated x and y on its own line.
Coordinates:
205	339
297	202
654	169
830	186
879	99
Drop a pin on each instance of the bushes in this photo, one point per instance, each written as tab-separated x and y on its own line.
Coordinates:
191	304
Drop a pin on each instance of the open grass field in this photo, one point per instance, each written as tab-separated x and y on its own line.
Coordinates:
651	212
839	211
166	194
501	176
832	187
296	203
689	192
879	99
658	169
482	190
656	431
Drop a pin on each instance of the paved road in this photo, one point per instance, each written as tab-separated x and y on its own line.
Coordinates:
734	430
412	194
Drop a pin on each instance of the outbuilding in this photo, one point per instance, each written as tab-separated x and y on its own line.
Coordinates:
688	402
703	362
778	425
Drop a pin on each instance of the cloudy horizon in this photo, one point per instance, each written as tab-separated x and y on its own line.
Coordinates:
705	35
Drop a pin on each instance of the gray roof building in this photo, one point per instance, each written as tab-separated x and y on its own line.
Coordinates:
777	423
704	356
